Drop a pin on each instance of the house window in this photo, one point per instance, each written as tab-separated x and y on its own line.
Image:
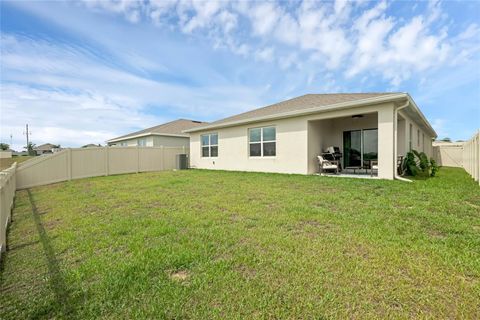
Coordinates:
418	138
410	132
209	145
142	142
423	142
123	144
262	142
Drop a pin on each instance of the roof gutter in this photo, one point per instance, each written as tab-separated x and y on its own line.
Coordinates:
395	141
337	106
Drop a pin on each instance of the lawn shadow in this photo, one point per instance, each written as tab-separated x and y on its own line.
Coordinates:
57	282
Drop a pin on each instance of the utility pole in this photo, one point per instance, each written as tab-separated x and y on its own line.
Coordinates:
27	134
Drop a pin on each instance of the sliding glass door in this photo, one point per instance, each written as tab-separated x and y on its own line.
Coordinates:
352	148
360	146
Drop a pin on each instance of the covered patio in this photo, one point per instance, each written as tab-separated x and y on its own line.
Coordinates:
360	144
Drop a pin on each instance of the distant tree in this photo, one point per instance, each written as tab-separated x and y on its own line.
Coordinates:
460	140
30	148
4	146
446	139
56	146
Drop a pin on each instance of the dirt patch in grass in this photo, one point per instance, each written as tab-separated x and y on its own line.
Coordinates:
436	234
311	228
179	275
357	250
246	271
473	205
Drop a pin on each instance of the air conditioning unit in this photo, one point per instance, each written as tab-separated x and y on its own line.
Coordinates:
182	162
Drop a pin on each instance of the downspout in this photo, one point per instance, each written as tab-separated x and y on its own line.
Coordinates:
395	140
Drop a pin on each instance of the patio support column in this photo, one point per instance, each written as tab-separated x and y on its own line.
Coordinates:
386	142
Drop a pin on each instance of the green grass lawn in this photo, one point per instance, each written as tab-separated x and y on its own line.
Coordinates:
205	244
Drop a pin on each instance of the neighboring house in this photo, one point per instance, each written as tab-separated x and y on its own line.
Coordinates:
46	148
288	136
169	134
91	145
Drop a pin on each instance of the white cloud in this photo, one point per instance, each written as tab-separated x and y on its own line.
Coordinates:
397	49
288	61
204	11
265	54
131	9
228	20
264	16
159	10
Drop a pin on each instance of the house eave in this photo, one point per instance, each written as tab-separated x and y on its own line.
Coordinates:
146	135
422	116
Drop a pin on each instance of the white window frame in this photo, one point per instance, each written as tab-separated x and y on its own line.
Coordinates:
209	145
261	142
142	139
410	138
423	142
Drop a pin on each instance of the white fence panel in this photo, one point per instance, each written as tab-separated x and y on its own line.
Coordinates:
88	162
44	170
123	160
7	196
471	156
151	159
91	162
449	155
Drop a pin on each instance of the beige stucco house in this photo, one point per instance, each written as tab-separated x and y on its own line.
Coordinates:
287	137
169	134
45	148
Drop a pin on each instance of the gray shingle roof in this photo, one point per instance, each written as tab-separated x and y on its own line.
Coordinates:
44	147
300	103
175	127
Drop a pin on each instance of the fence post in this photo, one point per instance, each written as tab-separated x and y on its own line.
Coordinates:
477	162
106	160
69	163
163	158
138	158
3	212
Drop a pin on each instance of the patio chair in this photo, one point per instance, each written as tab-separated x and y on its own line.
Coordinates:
327	165
374	166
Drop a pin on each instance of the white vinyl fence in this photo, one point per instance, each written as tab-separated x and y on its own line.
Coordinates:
7	195
449	155
79	163
471	156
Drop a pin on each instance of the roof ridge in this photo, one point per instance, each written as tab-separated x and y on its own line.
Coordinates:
302	102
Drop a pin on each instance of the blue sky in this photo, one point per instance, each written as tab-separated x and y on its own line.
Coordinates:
82	72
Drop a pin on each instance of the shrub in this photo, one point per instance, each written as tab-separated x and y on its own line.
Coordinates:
433	167
409	165
417	163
